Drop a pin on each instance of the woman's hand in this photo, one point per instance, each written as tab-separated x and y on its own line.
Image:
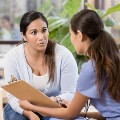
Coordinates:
64	103
26	105
53	98
30	115
33	116
61	102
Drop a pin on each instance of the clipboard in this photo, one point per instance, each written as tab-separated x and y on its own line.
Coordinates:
24	91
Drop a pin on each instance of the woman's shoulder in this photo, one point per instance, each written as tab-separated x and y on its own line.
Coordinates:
60	49
88	66
87	73
15	51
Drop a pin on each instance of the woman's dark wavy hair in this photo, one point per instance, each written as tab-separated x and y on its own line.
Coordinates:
50	50
103	50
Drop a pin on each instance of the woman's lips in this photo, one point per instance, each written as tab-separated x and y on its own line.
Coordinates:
42	44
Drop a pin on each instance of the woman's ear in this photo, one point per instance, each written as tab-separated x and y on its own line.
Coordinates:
79	36
23	36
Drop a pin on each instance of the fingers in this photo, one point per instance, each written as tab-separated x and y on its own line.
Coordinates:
63	105
53	98
60	101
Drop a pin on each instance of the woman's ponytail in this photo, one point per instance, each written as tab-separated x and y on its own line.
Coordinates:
105	53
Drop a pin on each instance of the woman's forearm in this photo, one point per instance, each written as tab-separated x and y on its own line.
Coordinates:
26	113
54	112
70	112
30	115
95	115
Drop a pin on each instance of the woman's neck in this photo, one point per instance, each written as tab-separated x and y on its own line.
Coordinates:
86	46
36	60
34	53
34	57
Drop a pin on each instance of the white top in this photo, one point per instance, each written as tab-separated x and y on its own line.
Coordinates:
40	82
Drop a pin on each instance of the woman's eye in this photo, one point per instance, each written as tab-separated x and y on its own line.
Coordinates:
44	30
33	32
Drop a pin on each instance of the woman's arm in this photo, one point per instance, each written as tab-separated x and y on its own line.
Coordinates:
68	76
95	115
70	112
10	68
30	115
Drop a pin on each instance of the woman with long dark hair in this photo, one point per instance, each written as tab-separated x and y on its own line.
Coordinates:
99	79
42	63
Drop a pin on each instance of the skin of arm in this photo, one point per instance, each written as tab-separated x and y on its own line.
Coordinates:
95	115
73	109
30	115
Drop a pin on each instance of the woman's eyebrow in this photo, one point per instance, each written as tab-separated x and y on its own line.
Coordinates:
33	30
44	27
36	29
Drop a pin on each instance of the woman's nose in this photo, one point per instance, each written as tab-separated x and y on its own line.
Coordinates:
40	35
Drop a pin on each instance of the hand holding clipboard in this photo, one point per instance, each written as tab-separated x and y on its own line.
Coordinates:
24	91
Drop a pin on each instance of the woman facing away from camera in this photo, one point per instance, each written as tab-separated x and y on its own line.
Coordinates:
44	64
99	79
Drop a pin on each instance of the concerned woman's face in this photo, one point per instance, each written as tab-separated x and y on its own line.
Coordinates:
37	35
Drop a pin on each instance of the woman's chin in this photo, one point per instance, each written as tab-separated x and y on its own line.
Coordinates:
41	49
79	53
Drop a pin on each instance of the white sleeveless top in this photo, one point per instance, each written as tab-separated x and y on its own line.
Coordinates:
40	82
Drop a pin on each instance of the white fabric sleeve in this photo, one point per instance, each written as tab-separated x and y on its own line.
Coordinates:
69	76
10	68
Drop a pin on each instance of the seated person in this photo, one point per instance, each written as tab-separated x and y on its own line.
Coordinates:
99	79
44	64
